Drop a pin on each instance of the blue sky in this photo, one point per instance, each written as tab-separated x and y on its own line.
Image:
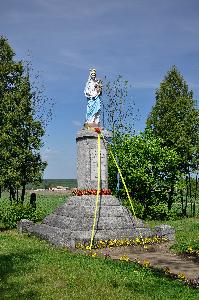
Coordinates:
139	39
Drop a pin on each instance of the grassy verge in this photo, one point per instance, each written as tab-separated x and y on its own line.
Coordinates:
33	269
46	203
187	232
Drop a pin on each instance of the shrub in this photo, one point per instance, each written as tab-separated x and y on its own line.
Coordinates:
9	216
138	207
149	169
153	212
156	212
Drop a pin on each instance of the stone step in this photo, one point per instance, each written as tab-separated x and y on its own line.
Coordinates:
68	238
88	211
73	221
54	235
86	223
120	234
87	200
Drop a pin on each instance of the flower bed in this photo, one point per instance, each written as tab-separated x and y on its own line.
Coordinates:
192	251
91	192
121	243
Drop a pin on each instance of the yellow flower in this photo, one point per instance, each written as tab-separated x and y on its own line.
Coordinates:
189	249
94	254
146	263
181	276
167	270
124	258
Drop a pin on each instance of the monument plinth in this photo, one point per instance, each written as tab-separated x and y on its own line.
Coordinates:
87	159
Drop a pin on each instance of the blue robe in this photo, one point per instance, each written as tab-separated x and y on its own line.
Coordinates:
93	110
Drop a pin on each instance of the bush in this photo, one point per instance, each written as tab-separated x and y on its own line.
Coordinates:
138	207
149	169
156	212
153	212
9	216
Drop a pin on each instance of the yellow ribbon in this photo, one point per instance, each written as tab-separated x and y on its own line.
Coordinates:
127	192
99	186
119	170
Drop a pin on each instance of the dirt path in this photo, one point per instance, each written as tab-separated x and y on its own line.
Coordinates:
158	256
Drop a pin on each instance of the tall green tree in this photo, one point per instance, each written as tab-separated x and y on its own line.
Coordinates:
175	118
21	132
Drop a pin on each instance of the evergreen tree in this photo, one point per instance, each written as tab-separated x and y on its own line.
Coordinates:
175	118
21	133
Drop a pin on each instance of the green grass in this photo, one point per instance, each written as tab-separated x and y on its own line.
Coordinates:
33	269
187	232
46	203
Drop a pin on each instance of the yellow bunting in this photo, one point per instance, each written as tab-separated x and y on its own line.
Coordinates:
99	181
119	170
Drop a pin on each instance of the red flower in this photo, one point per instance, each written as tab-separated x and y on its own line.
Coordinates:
91	192
98	130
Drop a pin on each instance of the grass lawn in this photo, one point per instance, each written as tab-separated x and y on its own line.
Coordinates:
33	269
187	232
46	202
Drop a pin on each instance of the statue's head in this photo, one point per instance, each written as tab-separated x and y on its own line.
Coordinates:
92	73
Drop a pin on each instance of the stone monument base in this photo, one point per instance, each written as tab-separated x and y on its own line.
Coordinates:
72	223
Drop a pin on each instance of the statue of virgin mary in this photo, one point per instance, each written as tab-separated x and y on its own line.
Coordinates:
93	91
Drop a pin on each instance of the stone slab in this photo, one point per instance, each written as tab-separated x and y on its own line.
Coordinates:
102	223
87	200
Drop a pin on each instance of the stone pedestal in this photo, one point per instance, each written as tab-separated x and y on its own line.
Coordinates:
87	160
72	222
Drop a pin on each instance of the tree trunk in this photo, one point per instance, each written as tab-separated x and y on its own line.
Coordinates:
186	197
23	193
194	209
170	199
182	202
12	194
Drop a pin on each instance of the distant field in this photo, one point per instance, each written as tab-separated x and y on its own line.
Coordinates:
48	183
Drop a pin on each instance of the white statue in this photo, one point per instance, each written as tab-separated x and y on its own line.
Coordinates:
93	91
